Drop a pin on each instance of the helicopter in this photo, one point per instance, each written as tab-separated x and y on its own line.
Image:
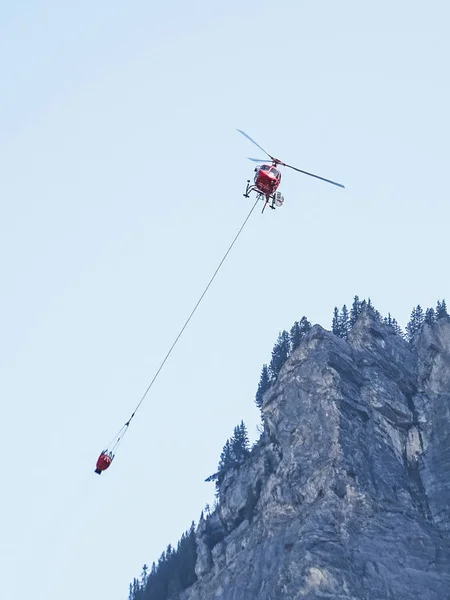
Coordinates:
268	178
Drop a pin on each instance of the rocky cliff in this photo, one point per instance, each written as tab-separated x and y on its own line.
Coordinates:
347	493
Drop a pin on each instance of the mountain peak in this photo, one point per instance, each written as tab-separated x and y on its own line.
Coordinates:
347	494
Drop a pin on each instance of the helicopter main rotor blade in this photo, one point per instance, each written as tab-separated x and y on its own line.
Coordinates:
279	162
253	141
312	175
262	160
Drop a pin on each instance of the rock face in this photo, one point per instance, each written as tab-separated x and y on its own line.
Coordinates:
347	493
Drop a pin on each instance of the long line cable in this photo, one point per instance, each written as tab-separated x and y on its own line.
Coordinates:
120	434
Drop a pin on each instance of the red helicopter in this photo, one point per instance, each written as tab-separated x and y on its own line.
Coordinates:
268	178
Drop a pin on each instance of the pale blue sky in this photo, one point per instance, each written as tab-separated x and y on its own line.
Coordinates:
121	187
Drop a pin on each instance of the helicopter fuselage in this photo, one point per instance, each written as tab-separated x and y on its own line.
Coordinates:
267	179
265	184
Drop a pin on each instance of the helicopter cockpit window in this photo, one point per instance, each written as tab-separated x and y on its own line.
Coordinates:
265	168
274	172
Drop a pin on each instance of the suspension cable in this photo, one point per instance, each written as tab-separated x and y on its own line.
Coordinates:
120	434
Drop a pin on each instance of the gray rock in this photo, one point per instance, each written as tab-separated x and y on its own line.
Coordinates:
347	493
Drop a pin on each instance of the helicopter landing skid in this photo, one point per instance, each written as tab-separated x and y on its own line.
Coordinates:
266	203
259	195
248	189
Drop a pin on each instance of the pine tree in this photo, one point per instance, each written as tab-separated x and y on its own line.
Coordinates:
227	459
419	316
295	336
415	322
340	325
355	311
144	576
344	322
411	327
396	327
226	462
234	453
263	386
175	571
280	354
305	326
191	558
430	316
240	443
136	588
298	331
441	309
336	323
392	323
